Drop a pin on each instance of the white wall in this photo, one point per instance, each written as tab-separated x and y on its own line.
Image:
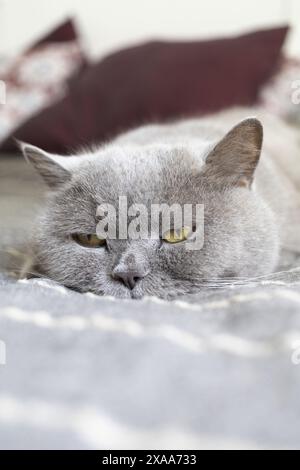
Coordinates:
295	21
109	24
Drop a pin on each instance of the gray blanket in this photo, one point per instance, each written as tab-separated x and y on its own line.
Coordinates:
216	370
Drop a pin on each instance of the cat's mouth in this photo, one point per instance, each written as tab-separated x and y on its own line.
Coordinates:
137	293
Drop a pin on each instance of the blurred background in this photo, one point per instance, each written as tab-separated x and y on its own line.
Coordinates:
78	73
108	25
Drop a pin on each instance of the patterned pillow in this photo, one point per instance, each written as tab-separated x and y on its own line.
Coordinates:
279	94
35	80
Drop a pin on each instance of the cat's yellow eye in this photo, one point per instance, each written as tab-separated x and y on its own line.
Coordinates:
177	236
89	241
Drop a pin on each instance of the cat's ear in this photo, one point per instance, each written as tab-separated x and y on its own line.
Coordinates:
234	159
52	168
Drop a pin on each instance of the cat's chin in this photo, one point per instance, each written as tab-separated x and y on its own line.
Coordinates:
128	294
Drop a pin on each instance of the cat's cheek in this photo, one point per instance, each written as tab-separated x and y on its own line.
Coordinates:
178	262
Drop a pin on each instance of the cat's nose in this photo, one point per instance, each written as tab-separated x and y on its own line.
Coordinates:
128	276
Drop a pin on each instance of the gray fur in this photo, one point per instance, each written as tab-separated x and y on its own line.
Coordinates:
186	162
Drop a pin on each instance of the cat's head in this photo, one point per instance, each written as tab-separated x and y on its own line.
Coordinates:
240	238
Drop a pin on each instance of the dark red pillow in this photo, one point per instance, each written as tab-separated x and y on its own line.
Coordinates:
156	81
65	32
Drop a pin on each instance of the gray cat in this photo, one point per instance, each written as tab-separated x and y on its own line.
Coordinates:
251	206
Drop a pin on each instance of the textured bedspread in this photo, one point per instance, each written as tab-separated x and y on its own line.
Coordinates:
217	370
